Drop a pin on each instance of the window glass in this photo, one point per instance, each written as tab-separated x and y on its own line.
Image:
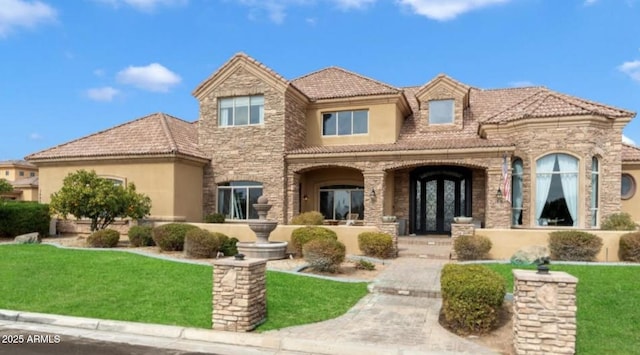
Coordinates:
594	191
236	199
338	201
21	173
628	186
241	111
257	110
329	124
557	190
360	122
241	115
441	111
344	123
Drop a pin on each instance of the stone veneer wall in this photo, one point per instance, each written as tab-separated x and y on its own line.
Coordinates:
544	313
239	294
460	229
391	229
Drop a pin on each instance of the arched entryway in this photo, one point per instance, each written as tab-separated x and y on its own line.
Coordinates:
437	194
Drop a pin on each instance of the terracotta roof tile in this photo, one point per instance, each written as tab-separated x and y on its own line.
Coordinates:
334	82
156	134
630	153
22	163
30	181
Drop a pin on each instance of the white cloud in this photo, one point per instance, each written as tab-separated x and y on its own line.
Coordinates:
628	140
443	10
20	13
353	4
153	77
99	72
276	10
105	94
143	5
521	83
35	136
632	69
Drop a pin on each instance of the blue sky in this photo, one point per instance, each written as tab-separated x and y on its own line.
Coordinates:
72	68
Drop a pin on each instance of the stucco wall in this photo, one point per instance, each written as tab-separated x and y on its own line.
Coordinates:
507	241
632	205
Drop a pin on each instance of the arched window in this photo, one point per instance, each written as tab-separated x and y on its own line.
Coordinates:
236	199
557	190
516	192
595	172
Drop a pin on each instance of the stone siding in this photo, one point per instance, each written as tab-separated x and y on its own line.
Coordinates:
239	294
544	313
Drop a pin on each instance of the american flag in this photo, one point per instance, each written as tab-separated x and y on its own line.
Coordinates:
506	180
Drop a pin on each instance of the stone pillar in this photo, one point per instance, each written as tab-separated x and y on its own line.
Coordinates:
391	229
293	196
374	206
239	294
460	229
498	210
544	312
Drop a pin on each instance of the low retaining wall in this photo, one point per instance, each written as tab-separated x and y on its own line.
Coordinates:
507	241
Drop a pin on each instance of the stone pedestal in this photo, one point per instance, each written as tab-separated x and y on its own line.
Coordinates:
459	229
239	294
544	317
391	229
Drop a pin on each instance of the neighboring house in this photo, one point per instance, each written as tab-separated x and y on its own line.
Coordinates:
23	176
354	147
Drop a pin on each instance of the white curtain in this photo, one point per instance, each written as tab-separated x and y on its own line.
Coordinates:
517	192
569	178
544	171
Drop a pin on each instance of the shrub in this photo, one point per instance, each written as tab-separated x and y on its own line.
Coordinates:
300	236
630	247
104	238
618	222
313	218
200	243
376	244
365	265
140	236
229	246
472	247
214	218
17	217
324	254
472	297
574	245
170	237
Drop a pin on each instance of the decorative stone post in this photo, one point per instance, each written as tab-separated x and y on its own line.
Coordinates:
374	189
544	317
460	229
239	294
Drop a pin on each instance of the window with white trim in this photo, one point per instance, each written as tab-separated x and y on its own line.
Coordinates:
557	190
345	123
516	192
241	111
236	199
342	201
595	181
441	111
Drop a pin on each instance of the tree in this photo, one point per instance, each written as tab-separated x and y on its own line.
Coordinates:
5	187
86	195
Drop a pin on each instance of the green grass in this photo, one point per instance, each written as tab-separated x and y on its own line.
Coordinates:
608	299
123	286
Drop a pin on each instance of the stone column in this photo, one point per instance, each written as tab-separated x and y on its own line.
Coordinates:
374	206
391	229
544	312
498	213
459	229
239	294
293	196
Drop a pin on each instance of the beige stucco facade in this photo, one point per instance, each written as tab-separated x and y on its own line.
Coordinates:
632	204
24	178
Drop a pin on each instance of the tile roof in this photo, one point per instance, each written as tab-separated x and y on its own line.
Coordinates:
22	163
506	105
630	153
334	82
155	134
30	181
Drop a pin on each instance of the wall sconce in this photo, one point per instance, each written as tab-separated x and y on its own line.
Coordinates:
499	195
373	193
305	197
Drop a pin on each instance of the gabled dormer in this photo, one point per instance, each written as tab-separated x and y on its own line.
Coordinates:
442	102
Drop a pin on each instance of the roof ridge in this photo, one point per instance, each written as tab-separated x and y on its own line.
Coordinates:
514	88
509	108
352	73
168	133
566	97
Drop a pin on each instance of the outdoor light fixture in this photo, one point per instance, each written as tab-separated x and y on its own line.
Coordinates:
499	195
543	266
305	197
373	193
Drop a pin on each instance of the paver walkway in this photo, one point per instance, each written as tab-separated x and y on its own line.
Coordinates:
402	311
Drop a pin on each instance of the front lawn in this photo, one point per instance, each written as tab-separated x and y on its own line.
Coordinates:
123	286
608	306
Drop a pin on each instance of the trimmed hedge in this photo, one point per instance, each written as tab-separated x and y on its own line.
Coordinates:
472	297
170	237
229	246
619	222
324	254
214	218
200	243
472	247
574	245
301	236
376	244
104	238
630	247
312	218
140	236
18	217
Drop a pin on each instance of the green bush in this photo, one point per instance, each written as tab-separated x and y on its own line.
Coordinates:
618	222
574	245
472	297
104	238
376	244
313	218
200	243
630	247
18	217
229	246
365	265
472	247
324	254
214	218
300	236
140	236
170	237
